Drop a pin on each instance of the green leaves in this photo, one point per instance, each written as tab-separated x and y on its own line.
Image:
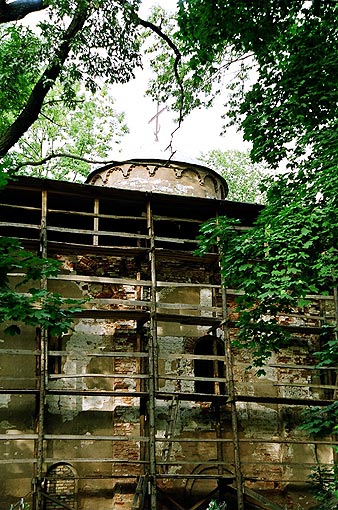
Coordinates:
288	254
244	178
288	111
20	52
320	421
77	42
324	484
33	306
82	129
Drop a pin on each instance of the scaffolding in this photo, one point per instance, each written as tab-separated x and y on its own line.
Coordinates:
137	259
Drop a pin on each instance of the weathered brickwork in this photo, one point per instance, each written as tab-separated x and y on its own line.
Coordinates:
138	395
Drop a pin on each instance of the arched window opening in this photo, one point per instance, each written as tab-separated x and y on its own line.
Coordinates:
61	485
209	368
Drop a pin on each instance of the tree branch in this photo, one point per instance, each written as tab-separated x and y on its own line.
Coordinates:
19	9
50	120
62	155
47	80
178	56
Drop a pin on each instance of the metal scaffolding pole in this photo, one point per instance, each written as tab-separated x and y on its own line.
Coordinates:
152	346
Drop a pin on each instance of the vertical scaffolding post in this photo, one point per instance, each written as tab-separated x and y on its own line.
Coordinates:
231	391
96	221
43	340
218	424
152	346
232	401
335	300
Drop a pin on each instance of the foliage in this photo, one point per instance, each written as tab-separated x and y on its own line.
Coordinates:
34	305
321	421
324	484
244	178
289	253
191	83
215	505
293	46
77	42
288	111
86	132
20	52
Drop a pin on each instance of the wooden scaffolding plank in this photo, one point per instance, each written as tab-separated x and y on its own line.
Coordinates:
93	232
140	493
283	400
99	376
263	502
96	393
102	354
41	370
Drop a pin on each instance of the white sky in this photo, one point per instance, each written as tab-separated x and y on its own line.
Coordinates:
199	133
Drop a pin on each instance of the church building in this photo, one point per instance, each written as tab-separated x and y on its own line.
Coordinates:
145	404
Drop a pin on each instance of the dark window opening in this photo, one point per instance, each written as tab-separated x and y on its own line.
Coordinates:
209	368
55	360
61	485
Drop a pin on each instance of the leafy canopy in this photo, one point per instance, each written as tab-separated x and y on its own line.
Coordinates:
34	305
288	111
290	252
293	47
76	42
64	142
244	178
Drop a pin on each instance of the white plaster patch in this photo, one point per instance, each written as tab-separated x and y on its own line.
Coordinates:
5	400
131	383
206	300
6	425
98	403
66	406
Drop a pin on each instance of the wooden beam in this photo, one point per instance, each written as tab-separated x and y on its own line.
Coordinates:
96	215
95	393
189	476
18	206
103	354
191	378
97	279
21	352
93	437
283	400
106	233
192	397
121	375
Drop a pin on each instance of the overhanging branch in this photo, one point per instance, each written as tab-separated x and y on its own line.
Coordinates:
18	9
178	56
62	155
47	80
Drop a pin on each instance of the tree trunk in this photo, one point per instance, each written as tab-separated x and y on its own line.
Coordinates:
33	106
19	9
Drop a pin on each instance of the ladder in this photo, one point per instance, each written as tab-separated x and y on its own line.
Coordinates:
20	504
166	451
140	493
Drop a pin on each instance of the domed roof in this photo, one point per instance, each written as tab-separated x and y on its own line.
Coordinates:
161	176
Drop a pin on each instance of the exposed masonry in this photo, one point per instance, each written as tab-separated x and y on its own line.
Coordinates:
145	405
162	177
